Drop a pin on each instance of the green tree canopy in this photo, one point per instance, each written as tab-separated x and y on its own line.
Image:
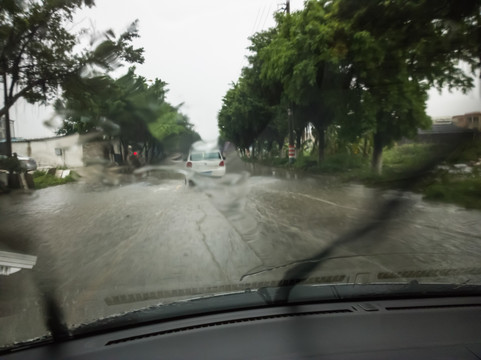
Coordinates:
38	54
128	107
396	51
251	108
362	66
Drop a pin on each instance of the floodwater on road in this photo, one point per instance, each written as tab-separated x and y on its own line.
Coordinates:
103	250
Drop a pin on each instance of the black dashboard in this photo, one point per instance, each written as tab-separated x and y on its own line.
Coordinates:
432	328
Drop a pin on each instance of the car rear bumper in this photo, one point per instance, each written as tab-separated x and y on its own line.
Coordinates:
219	172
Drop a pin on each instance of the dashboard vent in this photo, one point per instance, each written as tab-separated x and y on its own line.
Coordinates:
222	323
414	307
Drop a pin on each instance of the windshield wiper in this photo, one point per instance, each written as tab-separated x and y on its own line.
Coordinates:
305	267
301	272
54	319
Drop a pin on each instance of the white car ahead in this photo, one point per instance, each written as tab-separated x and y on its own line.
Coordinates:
209	163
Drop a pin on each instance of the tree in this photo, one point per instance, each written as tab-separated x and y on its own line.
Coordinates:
305	58
38	55
173	129
237	117
122	107
128	108
251	111
182	141
397	50
360	67
169	121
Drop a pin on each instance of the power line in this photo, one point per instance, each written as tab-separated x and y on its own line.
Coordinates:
267	16
255	23
261	17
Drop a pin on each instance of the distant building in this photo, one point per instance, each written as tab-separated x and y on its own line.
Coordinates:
469	120
442	120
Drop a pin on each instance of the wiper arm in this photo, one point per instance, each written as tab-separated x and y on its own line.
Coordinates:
301	271
54	320
53	314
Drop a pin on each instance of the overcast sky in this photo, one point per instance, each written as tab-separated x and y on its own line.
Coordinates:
198	48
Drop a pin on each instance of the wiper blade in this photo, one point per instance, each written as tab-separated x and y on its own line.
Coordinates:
54	323
302	271
54	319
386	212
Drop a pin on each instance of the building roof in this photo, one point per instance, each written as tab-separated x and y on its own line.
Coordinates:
467	114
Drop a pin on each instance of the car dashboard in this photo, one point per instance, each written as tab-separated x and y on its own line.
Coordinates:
424	328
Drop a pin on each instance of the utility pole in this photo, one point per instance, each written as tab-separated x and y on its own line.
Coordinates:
290	121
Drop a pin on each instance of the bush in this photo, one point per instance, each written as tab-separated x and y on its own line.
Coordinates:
409	156
304	162
43	180
465	192
468	151
279	161
343	162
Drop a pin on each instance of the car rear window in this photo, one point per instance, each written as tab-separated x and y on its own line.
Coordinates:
205	156
212	156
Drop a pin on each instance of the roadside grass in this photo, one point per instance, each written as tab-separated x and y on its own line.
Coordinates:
409	156
42	179
457	190
466	152
407	162
336	163
404	164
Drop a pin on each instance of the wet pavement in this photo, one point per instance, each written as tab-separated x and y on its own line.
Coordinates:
109	244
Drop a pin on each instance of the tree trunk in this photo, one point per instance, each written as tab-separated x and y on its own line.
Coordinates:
321	145
365	148
280	143
147	152
298	141
378	144
8	135
14	98
125	151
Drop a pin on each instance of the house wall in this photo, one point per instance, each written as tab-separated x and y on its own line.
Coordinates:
70	151
469	120
58	151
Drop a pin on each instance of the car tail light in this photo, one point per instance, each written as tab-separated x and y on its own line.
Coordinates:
189	164
221	163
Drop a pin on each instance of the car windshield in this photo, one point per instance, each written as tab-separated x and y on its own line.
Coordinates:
345	134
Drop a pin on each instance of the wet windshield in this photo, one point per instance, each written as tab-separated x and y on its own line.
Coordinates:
345	136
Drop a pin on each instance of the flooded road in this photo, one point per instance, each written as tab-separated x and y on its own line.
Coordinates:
104	250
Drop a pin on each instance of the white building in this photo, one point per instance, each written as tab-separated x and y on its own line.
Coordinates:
70	151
